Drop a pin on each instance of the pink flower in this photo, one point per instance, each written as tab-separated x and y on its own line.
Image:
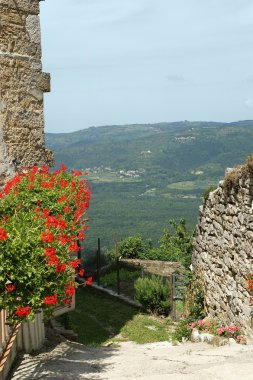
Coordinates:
200	323
221	330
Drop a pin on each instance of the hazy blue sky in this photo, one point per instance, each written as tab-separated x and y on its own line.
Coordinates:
144	61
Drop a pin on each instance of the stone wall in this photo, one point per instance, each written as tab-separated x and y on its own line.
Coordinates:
22	84
223	255
161	268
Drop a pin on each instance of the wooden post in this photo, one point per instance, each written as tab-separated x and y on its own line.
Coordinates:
172	296
117	262
79	256
98	262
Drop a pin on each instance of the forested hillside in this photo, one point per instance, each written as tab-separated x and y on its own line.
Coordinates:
143	175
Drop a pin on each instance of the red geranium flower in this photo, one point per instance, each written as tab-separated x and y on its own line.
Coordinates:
81	235
62	224
10	287
3	234
63	167
77	173
89	281
63	239
46	185
46	212
74	247
75	263
47	237
23	311
63	198
81	272
60	268
50	251
44	169
50	300
70	290
34	170
63	183
53	260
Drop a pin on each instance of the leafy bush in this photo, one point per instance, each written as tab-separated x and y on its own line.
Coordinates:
130	248
155	254
41	216
153	293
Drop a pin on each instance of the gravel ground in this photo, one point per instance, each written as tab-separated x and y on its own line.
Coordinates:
156	361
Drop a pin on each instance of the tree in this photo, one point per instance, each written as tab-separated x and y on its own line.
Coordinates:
176	241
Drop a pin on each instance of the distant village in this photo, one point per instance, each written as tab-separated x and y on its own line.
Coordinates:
121	173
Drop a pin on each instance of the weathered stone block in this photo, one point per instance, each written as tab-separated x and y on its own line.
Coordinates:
22	86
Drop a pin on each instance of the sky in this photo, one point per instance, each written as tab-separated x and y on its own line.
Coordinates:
145	61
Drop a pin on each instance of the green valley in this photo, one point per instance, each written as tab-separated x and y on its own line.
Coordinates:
143	175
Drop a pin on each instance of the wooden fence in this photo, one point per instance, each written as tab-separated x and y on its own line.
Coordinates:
27	337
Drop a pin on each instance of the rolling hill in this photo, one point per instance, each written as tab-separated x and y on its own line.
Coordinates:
143	175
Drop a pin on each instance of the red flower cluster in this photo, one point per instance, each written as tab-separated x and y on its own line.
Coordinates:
3	234
12	183
46	185
81	272
50	252
81	236
23	311
75	263
47	237
51	300
74	247
63	198
60	268
10	287
89	281
70	290
55	222
63	239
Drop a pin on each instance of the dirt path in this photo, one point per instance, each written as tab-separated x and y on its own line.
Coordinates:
155	361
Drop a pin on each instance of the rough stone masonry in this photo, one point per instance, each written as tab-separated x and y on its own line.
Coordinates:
22	84
223	254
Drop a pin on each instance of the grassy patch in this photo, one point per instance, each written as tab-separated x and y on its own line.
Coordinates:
99	318
144	328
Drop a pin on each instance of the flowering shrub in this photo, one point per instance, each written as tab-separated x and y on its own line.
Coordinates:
205	326
230	332
212	327
41	218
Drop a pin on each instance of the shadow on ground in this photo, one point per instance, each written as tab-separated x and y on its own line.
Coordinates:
68	360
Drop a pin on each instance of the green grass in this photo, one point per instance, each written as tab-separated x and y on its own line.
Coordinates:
100	318
146	329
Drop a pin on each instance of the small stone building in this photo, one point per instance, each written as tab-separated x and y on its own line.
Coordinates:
22	84
223	253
